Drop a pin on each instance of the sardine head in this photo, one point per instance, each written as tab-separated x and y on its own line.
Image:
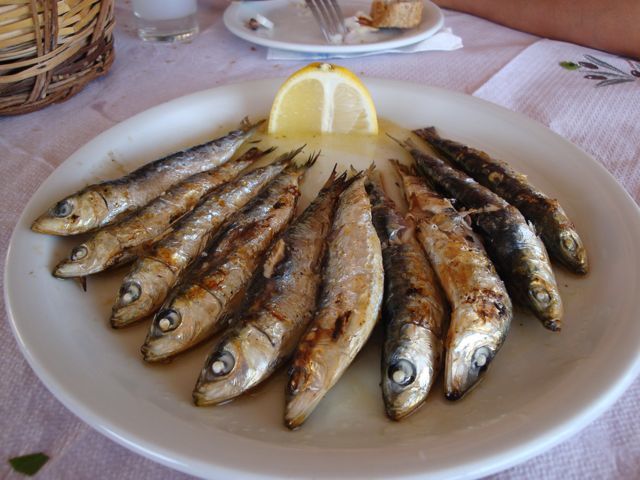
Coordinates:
237	364
141	293
176	328
75	214
466	360
572	251
544	299
409	370
303	392
90	257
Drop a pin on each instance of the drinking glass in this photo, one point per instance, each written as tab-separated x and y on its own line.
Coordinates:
166	20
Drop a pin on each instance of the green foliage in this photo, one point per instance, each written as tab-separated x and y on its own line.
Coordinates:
29	464
570	65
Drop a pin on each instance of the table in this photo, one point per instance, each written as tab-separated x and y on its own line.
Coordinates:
516	70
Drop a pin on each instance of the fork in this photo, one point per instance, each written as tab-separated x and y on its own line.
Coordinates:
329	17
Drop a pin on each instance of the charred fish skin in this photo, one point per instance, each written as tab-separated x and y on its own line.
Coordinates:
105	203
481	310
118	243
200	306
414	310
520	256
348	309
552	223
524	263
153	275
284	301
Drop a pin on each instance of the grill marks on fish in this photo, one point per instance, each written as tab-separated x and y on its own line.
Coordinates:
161	268
203	300
349	305
551	222
481	310
340	325
105	203
520	256
283	303
414	313
115	244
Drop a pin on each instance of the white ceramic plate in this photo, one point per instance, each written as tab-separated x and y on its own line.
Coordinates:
541	388
296	29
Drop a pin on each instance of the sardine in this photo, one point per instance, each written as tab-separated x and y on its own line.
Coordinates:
146	286
550	220
414	311
518	253
284	301
481	309
121	242
105	203
200	306
348	309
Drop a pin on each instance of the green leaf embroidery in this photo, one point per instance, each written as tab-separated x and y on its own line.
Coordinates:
604	64
570	65
606	83
606	73
612	74
29	464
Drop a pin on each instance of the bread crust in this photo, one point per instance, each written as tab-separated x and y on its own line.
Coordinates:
396	13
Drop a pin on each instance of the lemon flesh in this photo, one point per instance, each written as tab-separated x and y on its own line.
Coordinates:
323	98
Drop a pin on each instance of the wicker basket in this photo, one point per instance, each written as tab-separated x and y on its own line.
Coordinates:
49	49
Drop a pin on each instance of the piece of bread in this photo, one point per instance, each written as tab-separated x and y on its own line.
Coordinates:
396	13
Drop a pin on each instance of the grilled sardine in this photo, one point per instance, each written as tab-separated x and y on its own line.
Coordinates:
105	203
348	309
269	329
118	243
146	286
481	310
414	310
199	307
552	223
519	255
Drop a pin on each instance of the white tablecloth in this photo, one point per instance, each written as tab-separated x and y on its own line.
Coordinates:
513	69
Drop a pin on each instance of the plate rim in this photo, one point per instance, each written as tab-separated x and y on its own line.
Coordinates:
153	450
230	24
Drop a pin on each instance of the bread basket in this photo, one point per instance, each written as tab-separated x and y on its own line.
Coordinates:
50	49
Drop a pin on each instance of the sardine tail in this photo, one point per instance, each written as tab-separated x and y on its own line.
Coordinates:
408	143
333	177
402	170
287	157
269	150
427	133
246	124
313	158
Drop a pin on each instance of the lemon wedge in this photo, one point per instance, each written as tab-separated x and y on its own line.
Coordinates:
323	98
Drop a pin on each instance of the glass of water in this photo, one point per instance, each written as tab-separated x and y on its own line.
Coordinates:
166	20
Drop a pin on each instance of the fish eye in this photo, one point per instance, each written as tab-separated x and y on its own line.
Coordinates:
569	243
481	358
402	372
78	253
168	320
540	295
222	363
297	378
130	292
63	208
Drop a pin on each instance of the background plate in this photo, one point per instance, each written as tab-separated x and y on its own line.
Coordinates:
296	29
541	388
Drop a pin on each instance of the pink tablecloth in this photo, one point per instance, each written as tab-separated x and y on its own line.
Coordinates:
513	69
